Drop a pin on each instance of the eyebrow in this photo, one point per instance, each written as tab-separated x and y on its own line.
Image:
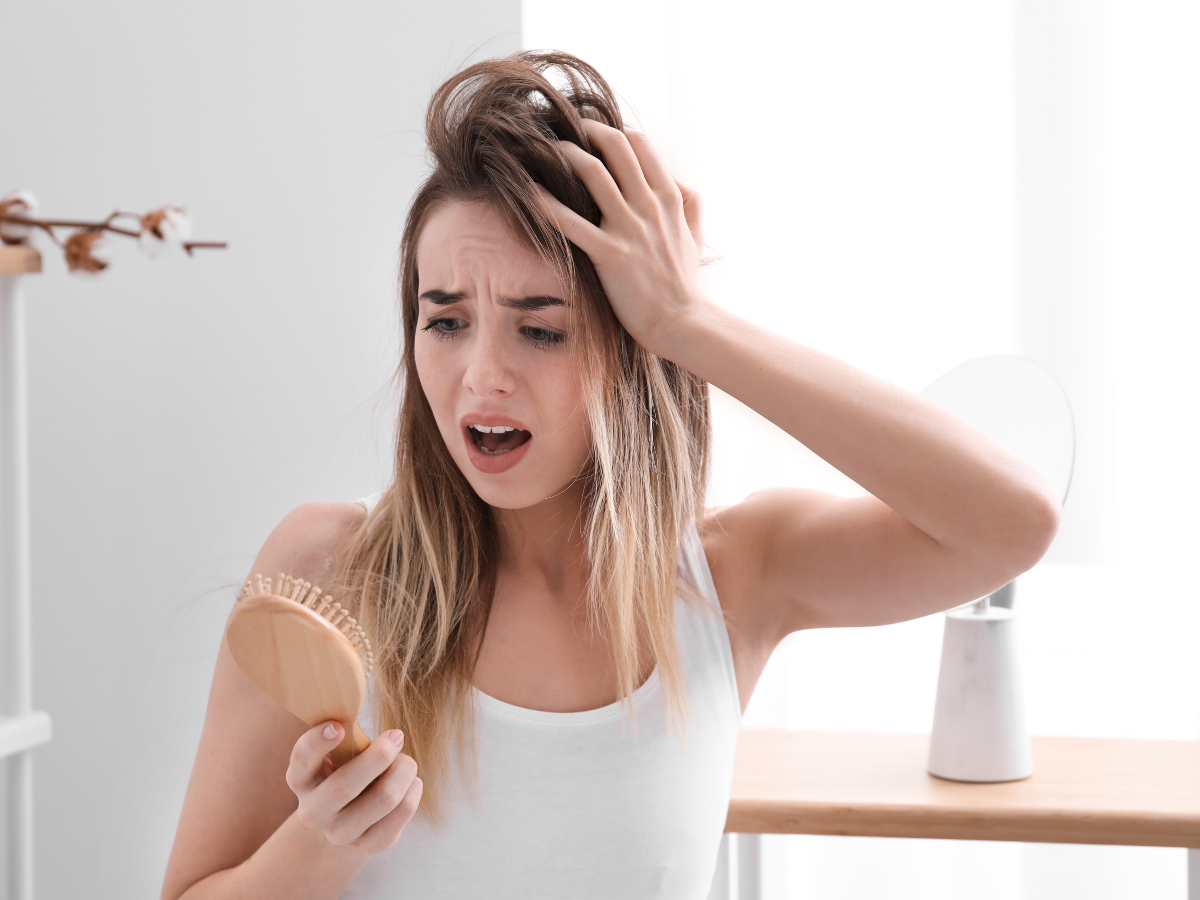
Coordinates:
524	304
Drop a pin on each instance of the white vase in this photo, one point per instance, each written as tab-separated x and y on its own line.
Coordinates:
979	730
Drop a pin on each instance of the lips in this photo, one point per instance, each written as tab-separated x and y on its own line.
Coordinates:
494	444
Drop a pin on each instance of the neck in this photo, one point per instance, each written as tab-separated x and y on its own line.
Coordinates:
544	540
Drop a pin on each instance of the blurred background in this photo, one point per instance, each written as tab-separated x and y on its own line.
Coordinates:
906	186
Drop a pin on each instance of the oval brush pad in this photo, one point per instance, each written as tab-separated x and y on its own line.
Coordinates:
306	652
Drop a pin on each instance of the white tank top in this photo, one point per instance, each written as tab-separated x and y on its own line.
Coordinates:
573	806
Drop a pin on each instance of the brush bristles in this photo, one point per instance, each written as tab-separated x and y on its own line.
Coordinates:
309	595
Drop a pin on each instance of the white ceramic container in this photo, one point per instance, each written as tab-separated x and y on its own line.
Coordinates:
979	731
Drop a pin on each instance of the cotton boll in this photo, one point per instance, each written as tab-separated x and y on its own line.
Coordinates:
175	226
165	225
86	251
148	243
17	203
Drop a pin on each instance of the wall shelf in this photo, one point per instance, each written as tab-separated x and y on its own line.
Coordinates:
21	733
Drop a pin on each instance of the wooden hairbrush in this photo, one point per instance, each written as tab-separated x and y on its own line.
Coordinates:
306	652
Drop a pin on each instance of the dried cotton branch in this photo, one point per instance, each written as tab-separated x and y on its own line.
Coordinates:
86	250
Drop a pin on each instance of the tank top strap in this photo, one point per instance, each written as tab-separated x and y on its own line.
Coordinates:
705	650
370	501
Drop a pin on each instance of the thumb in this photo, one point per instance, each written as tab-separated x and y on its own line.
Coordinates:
693	211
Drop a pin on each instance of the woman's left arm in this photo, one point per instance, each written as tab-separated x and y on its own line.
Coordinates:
953	515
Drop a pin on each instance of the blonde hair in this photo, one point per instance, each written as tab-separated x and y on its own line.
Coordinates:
423	565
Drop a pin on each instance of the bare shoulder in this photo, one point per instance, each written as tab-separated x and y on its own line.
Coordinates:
309	540
738	539
237	796
737	545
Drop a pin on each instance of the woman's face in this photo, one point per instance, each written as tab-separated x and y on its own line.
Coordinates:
492	351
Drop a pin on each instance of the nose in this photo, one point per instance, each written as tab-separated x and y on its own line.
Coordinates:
488	373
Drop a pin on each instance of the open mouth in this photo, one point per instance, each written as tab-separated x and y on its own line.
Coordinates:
496	440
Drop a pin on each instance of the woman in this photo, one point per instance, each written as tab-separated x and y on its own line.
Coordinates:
566	636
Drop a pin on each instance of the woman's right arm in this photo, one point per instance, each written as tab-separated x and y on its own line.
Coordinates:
265	815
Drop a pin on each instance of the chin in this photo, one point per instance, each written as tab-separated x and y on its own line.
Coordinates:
516	497
514	491
527	485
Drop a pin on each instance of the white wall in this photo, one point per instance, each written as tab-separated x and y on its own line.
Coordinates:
909	186
179	408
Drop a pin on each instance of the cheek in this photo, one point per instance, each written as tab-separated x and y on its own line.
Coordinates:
436	379
569	412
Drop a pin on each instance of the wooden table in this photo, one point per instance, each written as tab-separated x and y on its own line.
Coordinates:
1083	791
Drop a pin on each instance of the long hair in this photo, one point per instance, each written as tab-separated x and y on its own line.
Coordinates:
422	568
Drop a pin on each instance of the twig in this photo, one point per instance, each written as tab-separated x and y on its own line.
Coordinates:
188	245
47	224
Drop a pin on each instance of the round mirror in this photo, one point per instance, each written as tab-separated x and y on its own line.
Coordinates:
1020	404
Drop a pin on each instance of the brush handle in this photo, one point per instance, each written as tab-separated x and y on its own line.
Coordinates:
354	743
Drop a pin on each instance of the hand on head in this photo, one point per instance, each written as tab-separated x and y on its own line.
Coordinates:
648	244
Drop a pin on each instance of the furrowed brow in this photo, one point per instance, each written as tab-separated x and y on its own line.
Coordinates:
525	304
443	298
530	304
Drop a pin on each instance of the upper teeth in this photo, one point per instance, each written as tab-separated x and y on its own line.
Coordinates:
493	429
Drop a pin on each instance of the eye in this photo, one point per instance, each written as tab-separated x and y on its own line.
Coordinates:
542	337
446	326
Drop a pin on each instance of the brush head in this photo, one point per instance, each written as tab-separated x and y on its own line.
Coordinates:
304	651
311	597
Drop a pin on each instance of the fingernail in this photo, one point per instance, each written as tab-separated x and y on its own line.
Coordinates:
397	737
330	732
